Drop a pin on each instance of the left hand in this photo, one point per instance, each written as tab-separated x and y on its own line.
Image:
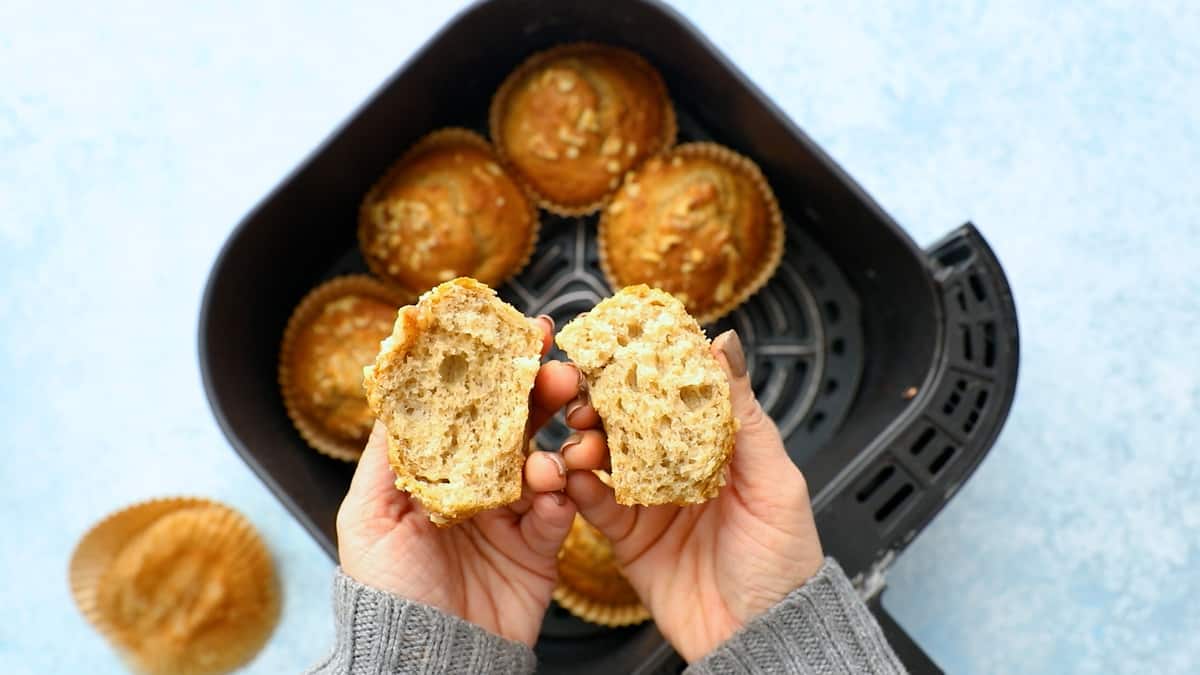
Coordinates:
497	569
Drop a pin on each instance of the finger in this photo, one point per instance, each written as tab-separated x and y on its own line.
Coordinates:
632	530
556	384
757	434
545	323
599	506
546	525
373	475
373	488
760	459
580	414
519	507
586	449
546	472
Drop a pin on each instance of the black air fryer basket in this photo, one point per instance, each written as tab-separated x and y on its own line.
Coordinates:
888	369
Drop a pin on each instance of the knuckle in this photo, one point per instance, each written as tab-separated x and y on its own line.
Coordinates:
751	414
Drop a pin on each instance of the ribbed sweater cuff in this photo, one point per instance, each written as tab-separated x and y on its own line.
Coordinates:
378	633
821	627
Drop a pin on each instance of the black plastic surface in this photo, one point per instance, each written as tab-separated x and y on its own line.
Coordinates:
856	316
899	482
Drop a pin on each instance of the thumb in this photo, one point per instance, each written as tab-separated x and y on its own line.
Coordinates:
756	434
759	455
373	475
373	488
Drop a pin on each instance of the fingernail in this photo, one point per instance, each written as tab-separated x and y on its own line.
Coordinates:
573	407
559	498
582	385
731	346
572	440
560	464
549	319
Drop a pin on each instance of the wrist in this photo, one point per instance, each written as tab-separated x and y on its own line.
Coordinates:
401	635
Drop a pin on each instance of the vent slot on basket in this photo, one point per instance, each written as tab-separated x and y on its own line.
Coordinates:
963	403
977	343
972	331
897	499
832	312
882	476
922	441
976	412
837	347
954	256
955	398
886	492
926	448
977	288
989	344
942	459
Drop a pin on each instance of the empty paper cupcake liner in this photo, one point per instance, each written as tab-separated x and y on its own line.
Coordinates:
143	577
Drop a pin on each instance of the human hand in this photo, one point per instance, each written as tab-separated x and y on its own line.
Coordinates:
498	568
703	571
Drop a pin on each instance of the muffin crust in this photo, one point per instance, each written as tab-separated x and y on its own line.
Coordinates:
700	223
446	209
572	120
332	335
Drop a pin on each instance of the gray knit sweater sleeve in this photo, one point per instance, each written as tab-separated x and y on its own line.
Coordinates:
379	633
821	627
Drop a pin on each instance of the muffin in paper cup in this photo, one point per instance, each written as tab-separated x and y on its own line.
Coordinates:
571	120
447	208
333	333
699	222
177	586
590	585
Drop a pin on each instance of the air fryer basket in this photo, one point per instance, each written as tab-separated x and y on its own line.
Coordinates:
889	370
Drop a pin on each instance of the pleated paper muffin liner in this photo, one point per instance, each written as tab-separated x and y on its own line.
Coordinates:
185	540
582	550
593	611
332	445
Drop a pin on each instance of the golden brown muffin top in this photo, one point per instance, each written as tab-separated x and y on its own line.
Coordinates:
327	357
700	224
446	209
573	119
587	566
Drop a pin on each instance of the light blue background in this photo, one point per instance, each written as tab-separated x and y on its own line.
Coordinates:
132	138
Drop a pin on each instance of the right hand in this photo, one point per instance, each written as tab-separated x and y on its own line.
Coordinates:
706	570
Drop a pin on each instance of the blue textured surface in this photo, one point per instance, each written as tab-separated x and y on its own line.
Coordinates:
132	139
